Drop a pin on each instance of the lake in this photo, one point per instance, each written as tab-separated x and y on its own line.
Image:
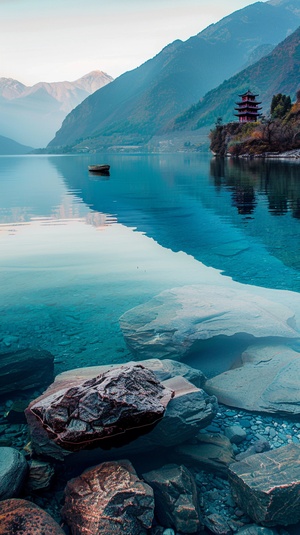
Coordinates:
77	250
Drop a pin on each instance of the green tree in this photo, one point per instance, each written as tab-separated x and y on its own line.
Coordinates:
280	106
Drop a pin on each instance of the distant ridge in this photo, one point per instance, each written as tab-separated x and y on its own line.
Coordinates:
33	114
139	104
278	72
9	147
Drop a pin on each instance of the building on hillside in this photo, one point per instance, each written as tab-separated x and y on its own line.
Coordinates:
248	108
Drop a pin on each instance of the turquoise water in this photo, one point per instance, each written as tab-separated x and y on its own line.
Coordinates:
77	251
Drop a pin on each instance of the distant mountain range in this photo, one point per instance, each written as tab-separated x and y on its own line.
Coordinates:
9	146
32	115
142	103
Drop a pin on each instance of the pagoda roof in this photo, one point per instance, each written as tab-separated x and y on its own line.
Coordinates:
247	113
248	108
248	93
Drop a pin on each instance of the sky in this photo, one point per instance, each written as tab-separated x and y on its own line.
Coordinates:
57	40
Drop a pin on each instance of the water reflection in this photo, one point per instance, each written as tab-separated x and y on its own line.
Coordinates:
277	180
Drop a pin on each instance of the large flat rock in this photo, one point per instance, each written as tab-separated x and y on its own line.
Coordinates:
171	324
273	373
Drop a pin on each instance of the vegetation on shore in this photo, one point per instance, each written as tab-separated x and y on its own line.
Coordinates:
277	133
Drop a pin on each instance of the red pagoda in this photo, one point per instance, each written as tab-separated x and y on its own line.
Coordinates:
248	108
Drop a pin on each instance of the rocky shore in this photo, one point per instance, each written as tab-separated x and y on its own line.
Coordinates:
188	474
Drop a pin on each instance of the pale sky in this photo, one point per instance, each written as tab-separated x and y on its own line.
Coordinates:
57	40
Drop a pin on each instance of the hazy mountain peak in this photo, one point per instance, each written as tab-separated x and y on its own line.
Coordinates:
33	114
10	88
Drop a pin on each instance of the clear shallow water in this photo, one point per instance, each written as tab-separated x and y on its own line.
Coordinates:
77	251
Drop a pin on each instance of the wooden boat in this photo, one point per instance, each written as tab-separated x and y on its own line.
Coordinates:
103	168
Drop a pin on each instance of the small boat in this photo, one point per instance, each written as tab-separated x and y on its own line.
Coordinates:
103	168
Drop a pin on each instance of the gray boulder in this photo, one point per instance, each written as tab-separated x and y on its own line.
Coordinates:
213	453
13	472
40	475
273	373
171	324
107	499
176	501
235	433
217	524
266	486
162	369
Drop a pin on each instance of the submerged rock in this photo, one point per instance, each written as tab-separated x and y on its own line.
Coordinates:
267	486
40	475
25	518
26	369
213	453
109	499
162	369
171	324
13	472
176	501
105	407
273	373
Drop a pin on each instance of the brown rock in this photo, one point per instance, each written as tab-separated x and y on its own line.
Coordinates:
213	453
187	412
109	499
267	486
110	405
21	517
175	493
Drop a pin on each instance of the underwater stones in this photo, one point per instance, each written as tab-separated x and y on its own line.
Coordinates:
109	498
25	369
213	453
13	472
40	475
266	486
273	373
105	407
235	433
253	529
172	323
176	501
25	518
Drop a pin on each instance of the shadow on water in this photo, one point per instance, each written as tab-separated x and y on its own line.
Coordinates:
222	212
278	181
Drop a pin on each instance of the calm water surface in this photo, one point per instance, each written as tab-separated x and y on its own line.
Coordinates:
77	251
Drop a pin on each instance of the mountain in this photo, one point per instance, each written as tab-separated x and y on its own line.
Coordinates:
33	114
279	72
9	146
139	104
